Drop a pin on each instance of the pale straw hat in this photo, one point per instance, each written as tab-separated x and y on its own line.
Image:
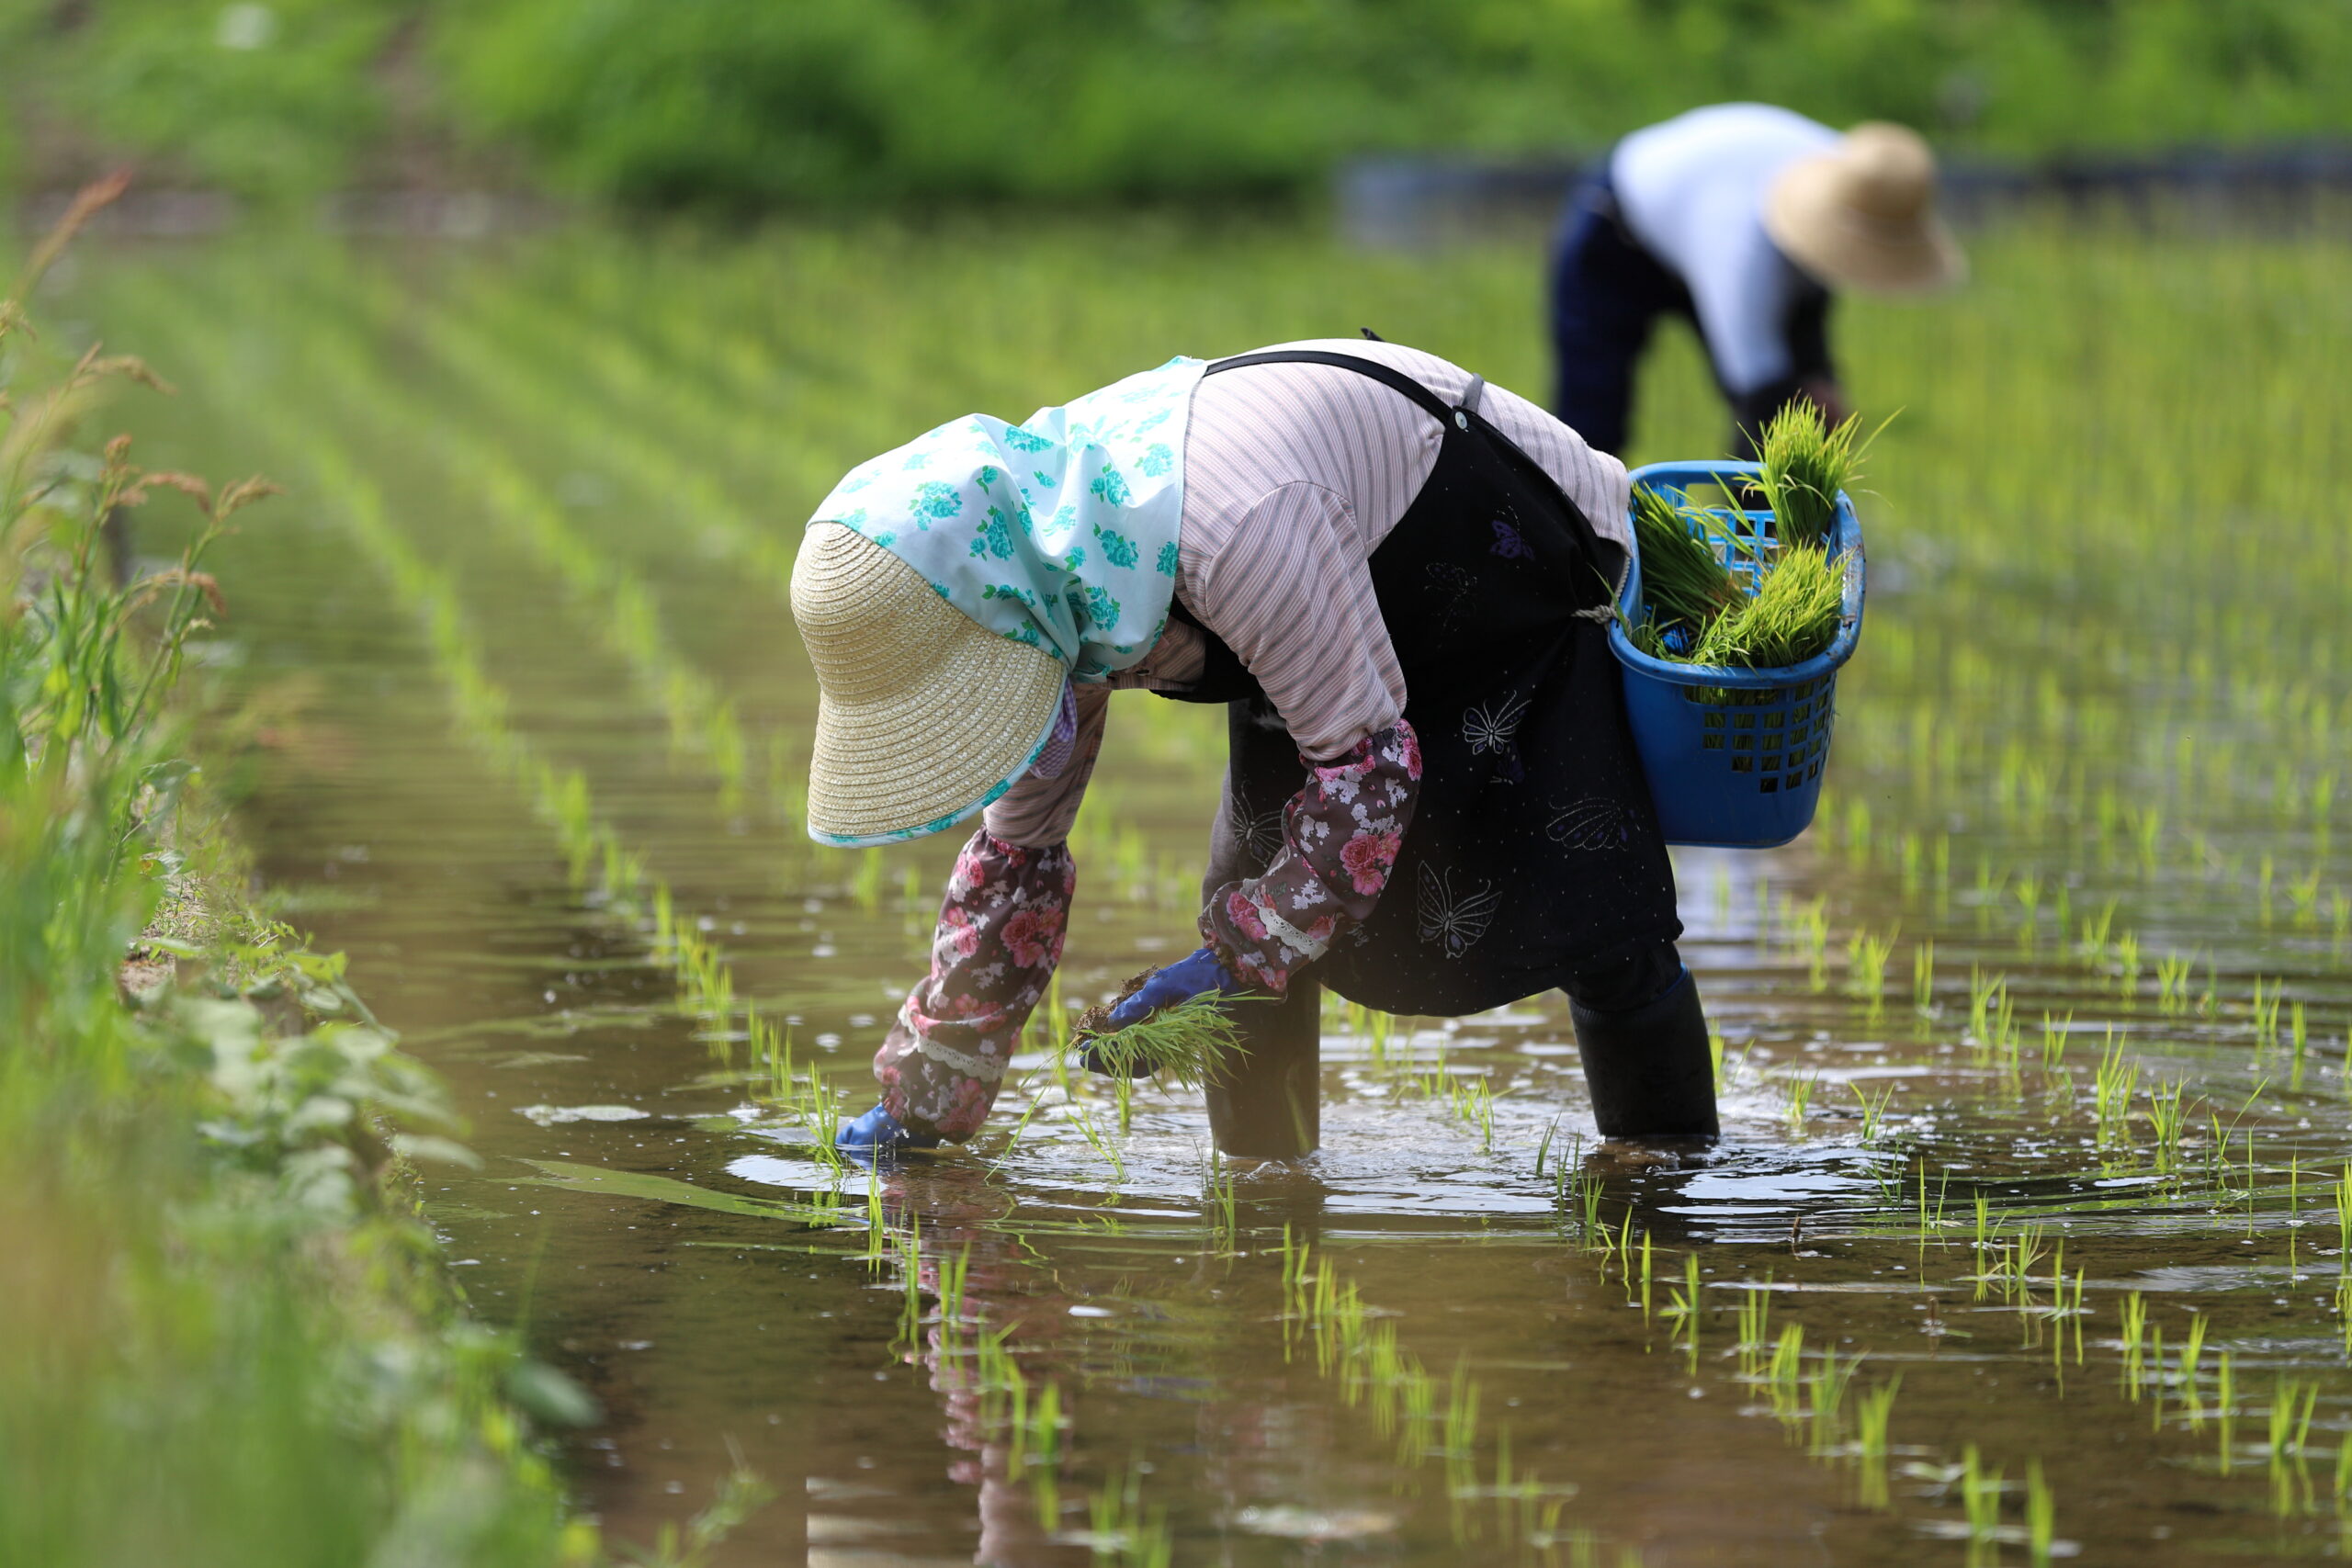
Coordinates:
1863	215
922	714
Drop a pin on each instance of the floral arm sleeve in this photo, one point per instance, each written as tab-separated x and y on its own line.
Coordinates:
1000	936
1341	836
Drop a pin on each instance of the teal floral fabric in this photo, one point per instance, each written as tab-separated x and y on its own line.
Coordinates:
1058	532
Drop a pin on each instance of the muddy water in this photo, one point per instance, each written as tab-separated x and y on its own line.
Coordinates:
1488	1357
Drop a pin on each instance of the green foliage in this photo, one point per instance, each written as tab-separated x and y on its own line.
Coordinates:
276	99
226	1340
749	103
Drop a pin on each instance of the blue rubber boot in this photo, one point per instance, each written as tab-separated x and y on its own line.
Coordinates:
877	1134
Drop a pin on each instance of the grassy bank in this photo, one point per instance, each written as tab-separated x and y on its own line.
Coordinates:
227	1338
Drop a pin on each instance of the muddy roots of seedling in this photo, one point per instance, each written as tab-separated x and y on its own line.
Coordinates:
1194	1042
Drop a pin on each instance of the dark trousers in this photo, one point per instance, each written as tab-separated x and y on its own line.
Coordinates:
1607	293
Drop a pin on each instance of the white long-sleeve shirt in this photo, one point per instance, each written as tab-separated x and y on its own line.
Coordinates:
1691	190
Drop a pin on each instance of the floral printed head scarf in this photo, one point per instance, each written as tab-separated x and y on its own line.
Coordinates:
1058	532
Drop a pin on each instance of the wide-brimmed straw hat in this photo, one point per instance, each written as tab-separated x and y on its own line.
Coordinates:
1863	215
924	715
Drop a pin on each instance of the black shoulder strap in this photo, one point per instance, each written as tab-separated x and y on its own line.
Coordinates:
1374	368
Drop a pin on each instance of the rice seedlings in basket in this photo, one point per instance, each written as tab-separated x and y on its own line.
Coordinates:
1685	583
1193	1043
1806	462
1792	616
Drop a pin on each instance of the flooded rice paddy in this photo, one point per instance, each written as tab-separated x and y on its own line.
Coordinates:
2025	1240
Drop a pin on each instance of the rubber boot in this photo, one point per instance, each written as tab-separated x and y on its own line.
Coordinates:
1649	1071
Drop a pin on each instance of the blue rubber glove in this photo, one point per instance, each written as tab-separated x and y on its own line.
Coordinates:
1199	974
878	1134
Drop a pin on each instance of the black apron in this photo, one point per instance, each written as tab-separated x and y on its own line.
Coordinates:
1534	850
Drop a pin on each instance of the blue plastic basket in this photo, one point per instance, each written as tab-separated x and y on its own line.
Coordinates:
1734	756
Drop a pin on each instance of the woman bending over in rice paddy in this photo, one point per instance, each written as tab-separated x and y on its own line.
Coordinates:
1399	580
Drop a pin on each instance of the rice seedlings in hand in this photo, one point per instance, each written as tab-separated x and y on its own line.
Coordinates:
1193	1042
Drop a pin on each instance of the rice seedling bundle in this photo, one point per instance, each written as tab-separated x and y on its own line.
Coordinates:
1806	462
1684	581
1791	617
1695	610
1193	1042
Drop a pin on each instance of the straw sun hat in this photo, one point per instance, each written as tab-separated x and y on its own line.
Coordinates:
923	713
1863	215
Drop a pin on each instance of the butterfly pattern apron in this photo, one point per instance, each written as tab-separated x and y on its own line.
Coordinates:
1534	850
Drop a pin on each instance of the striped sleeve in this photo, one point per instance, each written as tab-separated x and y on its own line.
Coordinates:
1291	594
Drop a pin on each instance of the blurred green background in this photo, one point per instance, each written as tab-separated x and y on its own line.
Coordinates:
754	104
